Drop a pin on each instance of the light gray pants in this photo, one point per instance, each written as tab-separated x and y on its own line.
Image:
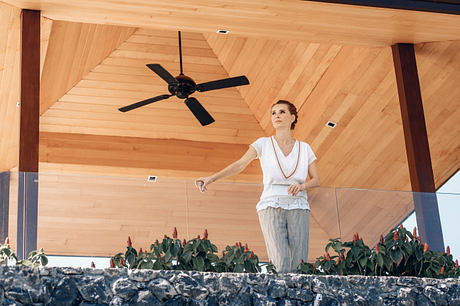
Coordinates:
286	234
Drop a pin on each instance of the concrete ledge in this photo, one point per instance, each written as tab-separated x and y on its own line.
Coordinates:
69	286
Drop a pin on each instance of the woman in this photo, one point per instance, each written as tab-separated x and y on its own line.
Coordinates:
283	209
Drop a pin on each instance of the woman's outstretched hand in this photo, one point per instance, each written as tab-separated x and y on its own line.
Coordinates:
294	189
201	183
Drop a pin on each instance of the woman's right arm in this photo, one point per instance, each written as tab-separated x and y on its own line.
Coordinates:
230	170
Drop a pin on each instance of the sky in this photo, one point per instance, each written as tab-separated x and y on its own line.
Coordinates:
449	210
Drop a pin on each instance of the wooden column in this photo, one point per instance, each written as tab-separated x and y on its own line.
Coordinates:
417	147
4	204
29	129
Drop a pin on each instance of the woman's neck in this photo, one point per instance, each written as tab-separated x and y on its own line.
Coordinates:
283	136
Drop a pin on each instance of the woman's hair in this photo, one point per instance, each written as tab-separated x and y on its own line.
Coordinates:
292	110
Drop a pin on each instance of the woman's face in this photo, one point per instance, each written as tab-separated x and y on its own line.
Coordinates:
281	117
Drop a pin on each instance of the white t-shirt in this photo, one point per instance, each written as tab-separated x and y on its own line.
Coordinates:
275	183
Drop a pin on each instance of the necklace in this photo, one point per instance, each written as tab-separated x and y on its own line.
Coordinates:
279	165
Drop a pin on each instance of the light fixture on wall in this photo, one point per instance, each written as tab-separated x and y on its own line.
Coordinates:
222	31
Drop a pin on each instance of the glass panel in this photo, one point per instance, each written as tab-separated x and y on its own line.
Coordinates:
371	213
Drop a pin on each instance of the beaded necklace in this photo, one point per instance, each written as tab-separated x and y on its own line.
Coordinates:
279	165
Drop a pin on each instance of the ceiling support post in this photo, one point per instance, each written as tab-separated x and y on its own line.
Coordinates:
29	134
417	147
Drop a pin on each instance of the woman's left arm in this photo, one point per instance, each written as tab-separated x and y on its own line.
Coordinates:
314	180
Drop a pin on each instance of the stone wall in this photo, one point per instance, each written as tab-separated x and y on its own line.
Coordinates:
68	286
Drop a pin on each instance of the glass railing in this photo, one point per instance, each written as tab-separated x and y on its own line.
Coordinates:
90	215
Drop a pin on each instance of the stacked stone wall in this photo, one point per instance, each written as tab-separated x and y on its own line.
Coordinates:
69	286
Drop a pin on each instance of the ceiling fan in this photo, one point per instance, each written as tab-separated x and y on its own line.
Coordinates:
183	86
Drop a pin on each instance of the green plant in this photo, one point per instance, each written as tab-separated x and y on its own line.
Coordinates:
400	253
238	259
6	253
35	258
197	254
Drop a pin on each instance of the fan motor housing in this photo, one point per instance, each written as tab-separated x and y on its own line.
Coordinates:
184	88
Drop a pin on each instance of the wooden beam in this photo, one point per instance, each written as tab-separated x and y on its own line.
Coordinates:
4	204
417	147
29	133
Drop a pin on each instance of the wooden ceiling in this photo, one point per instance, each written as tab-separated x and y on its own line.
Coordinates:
341	71
269	19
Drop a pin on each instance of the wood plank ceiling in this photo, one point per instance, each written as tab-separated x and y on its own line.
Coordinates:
91	70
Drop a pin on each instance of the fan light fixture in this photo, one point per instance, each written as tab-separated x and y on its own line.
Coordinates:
182	86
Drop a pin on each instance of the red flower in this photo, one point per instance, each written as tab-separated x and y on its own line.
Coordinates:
184	243
328	257
239	244
377	248
456	264
93	265
165	237
407	239
401	227
442	270
355	237
198	238
223	254
251	256
205	235
112	264
246	249
140	251
314	268
121	262
175	233
302	262
381	239
7	241
236	244
342	257
396	236
130	244
426	247
414	233
157	242
448	250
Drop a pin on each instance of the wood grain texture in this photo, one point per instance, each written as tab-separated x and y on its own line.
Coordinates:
91	107
95	214
10	24
30	91
413	118
192	158
439	73
273	19
73	50
45	31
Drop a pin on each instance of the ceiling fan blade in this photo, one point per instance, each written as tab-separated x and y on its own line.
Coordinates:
198	110
224	83
142	103
163	73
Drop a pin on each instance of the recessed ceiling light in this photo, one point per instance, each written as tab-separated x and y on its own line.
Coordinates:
152	178
222	31
331	124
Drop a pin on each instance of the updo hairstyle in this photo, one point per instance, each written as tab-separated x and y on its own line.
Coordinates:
292	110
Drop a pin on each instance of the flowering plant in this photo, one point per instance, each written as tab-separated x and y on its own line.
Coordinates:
400	253
35	259
197	254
